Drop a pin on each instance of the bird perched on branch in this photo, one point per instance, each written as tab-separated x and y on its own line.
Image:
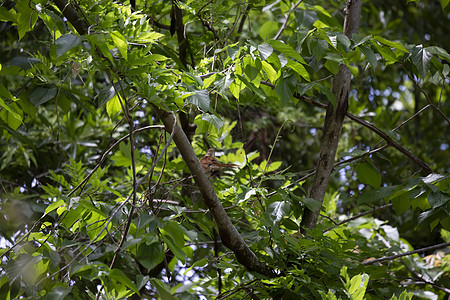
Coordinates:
212	166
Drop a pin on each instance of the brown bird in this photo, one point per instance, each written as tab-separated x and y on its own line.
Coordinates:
212	166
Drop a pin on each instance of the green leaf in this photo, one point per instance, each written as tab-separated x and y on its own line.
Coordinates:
441	52
430	217
325	90
163	289
368	174
251	70
421	58
27	17
375	195
100	41
332	66
270	71
176	250
284	90
113	106
370	56
176	232
150	255
208	81
149	37
437	199
54	206
305	18
278	209
120	276
268	29
199	263
396	45
7	114
287	50
41	95
58	292
265	50
385	52
252	87
121	43
66	42
319	48
401	203
8	15
105	95
299	69
444	3
311	203
213	119
201	99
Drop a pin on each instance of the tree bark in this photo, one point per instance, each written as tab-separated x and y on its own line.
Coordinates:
228	233
334	119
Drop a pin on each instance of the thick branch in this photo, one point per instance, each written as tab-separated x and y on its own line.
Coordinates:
333	122
228	233
72	16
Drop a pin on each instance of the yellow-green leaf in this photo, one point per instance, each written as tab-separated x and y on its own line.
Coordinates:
121	43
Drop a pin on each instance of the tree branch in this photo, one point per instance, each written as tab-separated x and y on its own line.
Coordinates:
228	233
370	262
372	127
72	16
286	20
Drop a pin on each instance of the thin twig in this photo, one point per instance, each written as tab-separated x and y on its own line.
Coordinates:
443	245
103	157
426	96
283	27
372	127
358	216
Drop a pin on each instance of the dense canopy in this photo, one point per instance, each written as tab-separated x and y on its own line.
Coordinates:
330	119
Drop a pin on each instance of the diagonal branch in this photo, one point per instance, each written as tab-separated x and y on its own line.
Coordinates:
228	233
286	20
372	127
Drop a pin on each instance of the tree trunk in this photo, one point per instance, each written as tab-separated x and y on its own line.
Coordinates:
333	122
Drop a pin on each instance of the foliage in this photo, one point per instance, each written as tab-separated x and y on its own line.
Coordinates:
97	202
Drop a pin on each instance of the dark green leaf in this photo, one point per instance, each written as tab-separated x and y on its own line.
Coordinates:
367	174
58	293
41	95
66	42
375	195
252	87
305	18
105	95
120	276
150	255
370	55
421	59
401	203
437	199
311	203
325	90
287	50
